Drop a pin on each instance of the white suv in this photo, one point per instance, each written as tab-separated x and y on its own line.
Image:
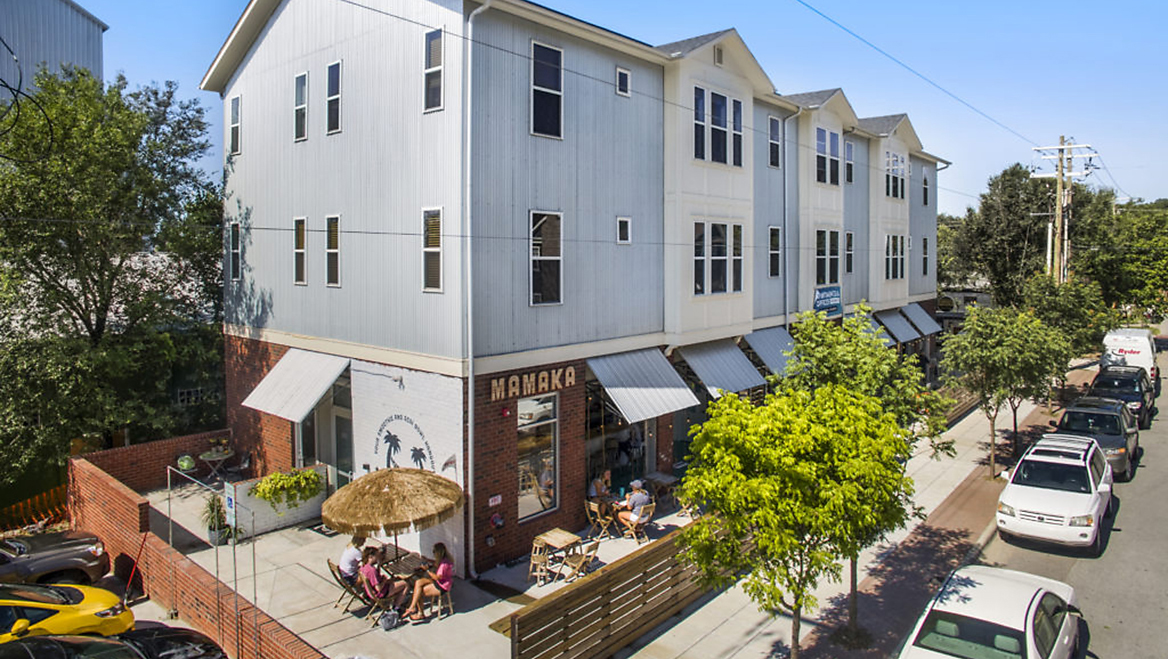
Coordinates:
1059	492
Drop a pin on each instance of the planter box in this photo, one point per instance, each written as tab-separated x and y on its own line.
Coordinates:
267	519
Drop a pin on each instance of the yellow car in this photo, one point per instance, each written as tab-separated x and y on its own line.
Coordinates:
30	610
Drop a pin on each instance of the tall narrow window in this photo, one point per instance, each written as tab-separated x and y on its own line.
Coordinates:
333	98
624	230
849	251
547	91
827	156
332	251
736	126
894	257
236	253
774	252
821	155
736	258
894	185
717	128
774	142
827	257
537	457
699	258
300	108
432	250
924	256
699	123
432	75
622	81
849	162
925	191
546	257
718	258
834	162
299	275
833	256
234	123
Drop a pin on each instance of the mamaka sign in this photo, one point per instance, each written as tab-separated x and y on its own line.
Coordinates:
530	384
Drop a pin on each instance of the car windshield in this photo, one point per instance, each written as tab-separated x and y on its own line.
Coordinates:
1052	476
94	648
13	547
1118	385
1090	422
969	638
39	594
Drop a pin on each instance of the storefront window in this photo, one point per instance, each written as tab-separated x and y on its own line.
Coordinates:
538	434
626	450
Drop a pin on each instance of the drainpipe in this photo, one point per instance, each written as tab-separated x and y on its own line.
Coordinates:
468	286
786	234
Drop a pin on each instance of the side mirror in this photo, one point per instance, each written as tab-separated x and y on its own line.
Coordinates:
1006	473
19	628
1105	486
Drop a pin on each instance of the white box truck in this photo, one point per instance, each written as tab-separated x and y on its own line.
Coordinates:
1131	346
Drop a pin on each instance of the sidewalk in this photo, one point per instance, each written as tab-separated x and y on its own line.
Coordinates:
897	577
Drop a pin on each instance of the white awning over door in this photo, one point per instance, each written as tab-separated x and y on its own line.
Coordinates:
296	384
720	365
642	384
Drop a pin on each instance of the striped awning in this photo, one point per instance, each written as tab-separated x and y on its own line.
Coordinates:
642	384
721	366
897	325
771	345
921	319
296	384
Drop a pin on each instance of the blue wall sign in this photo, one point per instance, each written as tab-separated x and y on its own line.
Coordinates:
829	299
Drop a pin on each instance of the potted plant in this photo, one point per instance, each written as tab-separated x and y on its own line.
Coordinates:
288	489
214	517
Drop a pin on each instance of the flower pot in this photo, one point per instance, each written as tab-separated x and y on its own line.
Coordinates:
218	536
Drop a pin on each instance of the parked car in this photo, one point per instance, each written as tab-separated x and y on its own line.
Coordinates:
152	643
33	610
1059	492
70	557
1129	346
991	612
1131	385
1111	424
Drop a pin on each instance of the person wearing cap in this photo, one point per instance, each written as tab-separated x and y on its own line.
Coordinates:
634	503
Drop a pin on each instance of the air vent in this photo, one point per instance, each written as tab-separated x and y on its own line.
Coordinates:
718	55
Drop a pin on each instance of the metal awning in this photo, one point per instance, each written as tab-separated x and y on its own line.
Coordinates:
296	384
642	384
771	345
720	365
897	325
921	319
878	329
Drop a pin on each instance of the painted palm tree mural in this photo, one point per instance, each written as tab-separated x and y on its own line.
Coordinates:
393	445
418	457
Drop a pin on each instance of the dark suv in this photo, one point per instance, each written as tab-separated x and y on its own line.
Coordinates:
70	557
1110	423
1129	384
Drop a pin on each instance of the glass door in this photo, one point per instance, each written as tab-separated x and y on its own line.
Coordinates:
343	435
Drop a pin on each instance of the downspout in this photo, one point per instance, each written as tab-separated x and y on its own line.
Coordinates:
786	234
468	285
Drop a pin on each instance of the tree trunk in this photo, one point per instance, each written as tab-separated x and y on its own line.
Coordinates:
796	618
853	623
1014	437
993	417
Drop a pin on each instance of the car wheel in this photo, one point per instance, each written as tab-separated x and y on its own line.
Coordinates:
1096	548
66	578
1146	421
1109	511
1131	467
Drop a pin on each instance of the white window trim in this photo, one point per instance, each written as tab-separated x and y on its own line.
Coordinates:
849	161
628	221
328	251
531	259
703	123
771	251
725	128
849	252
826	155
235	124
302	106
555	452
737	251
439	69
894	257
925	190
533	88
432	250
924	256
828	258
773	120
340	92
708	258
235	250
628	82
737	147
302	252
894	172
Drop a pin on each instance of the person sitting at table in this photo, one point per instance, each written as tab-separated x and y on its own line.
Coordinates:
377	586
439	578
351	558
599	489
631	508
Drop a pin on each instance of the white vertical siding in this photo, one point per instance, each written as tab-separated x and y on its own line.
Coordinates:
768	212
857	219
49	33
922	224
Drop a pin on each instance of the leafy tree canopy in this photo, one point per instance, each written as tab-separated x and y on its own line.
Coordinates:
1075	309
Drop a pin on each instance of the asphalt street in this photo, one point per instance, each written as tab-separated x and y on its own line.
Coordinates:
1123	593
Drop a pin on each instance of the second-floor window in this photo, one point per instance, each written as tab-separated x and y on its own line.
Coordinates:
774	142
724	126
624	230
894	253
849	162
925	190
827	257
546	258
924	256
717	128
234	124
722	263
827	156
332	251
333	98
547	90
736	126
432	250
299	274
699	123
432	74
236	253
849	251
300	108
774	252
894	175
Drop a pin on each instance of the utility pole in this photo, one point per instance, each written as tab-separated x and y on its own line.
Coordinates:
1058	245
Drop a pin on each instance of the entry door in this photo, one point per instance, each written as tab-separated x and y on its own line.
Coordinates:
343	436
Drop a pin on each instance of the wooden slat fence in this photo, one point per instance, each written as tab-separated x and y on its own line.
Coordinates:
965	402
45	508
608	609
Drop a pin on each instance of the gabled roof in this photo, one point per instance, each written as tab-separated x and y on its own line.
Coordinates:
687	46
882	126
812	100
736	50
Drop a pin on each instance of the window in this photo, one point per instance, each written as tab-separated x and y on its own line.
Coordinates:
894	175
924	256
849	163
699	258
234	122
723	259
432	75
299	275
538	449
300	108
699	123
736	258
718	256
332	252
333	99
236	260
622	81
1048	620
894	254
624	230
827	163
775	142
545	258
432	250
849	251
717	128
774	252
827	257
925	191
736	126
718	56
547	91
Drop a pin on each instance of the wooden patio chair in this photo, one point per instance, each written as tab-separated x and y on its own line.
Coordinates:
376	606
346	587
636	531
540	561
578	562
601	522
441	599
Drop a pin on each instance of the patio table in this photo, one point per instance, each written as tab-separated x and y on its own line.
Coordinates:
663	485
559	540
215	459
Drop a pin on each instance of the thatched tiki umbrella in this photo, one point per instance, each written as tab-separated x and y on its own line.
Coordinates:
392	501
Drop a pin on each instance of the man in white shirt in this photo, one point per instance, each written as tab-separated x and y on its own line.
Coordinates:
351	558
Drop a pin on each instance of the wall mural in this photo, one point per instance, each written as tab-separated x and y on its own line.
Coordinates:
399	431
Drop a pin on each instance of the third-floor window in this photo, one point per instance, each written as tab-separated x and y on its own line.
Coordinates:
827	156
547	90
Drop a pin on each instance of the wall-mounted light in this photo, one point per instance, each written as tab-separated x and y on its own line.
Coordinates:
506	412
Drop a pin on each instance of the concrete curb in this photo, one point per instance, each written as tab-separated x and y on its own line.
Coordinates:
979	545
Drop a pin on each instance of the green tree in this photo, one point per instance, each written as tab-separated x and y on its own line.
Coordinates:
109	247
1075	308
954	269
785	485
1125	251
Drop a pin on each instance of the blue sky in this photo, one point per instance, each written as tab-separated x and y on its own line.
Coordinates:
1091	71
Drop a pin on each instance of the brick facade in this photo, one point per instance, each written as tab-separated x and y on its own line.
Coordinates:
142	467
268	438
